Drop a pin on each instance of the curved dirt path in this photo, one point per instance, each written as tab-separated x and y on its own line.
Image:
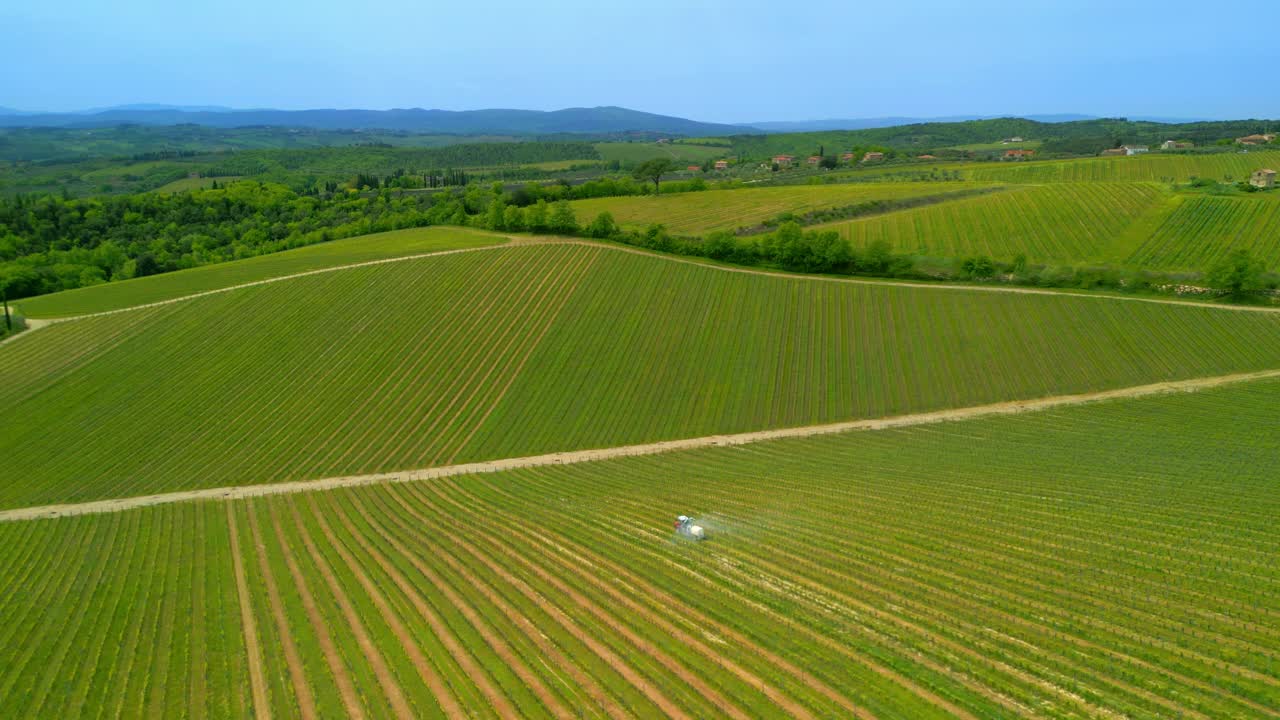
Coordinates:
1013	407
519	241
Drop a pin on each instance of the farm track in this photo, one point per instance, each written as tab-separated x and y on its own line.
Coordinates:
37	323
567	458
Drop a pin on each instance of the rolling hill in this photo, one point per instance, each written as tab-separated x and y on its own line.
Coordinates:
327	373
961	570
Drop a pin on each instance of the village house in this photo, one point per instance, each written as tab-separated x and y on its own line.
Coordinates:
814	159
722	164
1264	179
1175	145
1014	139
926	157
693	168
782	160
1112	151
846	157
1018	154
1135	149
1255	139
873	157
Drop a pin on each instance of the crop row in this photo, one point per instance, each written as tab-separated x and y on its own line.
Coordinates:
697	213
1153	167
533	349
1064	223
1202	230
957	570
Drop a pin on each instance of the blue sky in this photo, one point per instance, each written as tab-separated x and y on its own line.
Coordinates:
716	60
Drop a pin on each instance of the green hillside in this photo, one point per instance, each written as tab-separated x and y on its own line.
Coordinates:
1156	167
697	213
966	569
155	288
536	348
1064	222
1200	230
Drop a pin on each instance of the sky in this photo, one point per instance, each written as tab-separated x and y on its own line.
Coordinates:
710	60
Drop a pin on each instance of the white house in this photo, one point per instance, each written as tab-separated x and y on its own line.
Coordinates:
1135	149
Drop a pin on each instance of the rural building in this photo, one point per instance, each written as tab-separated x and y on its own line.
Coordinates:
663	141
847	157
1135	149
1265	179
1112	151
1018	154
722	164
1014	139
873	157
1175	145
814	159
694	168
1255	139
926	157
783	160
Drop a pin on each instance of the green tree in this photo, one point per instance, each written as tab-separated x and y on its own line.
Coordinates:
653	170
562	218
603	226
1238	274
536	216
513	219
496	215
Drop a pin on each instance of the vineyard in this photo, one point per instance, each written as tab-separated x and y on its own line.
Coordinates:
697	213
1151	167
155	288
1063	223
1204	229
912	573
527	349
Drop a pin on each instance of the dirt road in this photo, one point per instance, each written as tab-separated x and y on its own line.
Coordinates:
579	456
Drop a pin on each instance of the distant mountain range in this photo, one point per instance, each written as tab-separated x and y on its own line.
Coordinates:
597	120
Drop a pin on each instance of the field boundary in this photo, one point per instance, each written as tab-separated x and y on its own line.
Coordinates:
1013	407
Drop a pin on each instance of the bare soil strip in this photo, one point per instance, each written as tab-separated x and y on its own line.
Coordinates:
1013	407
257	681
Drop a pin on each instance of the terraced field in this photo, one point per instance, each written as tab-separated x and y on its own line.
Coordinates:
1201	230
958	570
697	213
155	288
529	349
1054	223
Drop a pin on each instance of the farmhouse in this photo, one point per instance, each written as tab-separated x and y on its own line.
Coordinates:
722	164
1018	154
814	159
1175	145
1255	139
926	157
1112	151
1265	179
1135	149
783	160
873	157
693	168
1014	139
846	157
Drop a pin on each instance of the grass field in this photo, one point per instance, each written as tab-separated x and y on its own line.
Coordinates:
1200	230
956	570
696	213
196	183
140	291
636	152
1057	222
530	349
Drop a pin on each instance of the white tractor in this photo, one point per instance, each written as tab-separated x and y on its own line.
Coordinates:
685	527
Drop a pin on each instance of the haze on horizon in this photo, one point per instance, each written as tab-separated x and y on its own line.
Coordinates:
715	61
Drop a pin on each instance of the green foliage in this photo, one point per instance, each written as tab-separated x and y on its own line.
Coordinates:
1238	274
603	226
653	170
